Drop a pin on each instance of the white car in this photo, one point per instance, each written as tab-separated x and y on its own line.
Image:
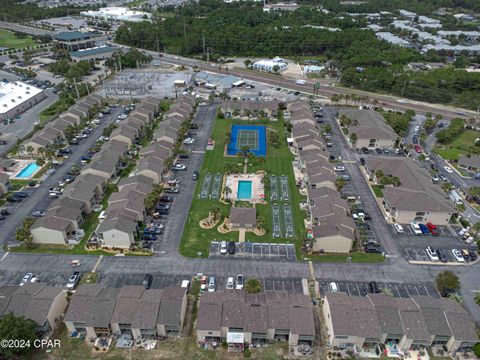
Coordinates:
398	228
230	284
223	247
432	254
416	229
339	168
239	285
458	255
26	279
122	116
448	169
188	141
179	167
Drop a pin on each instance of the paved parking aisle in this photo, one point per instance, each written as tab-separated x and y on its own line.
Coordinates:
395	289
268	251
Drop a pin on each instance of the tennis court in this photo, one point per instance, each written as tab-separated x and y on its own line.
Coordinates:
251	136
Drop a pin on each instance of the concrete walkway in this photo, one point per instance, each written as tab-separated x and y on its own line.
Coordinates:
241	235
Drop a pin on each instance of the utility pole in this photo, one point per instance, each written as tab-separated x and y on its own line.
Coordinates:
76	88
88	89
203	37
158	46
184	29
208	54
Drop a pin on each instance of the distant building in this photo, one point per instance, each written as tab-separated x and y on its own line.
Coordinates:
281	6
270	65
17	97
94	53
117	14
74	40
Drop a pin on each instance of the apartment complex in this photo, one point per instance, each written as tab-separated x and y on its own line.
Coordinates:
54	132
35	301
328	215
249	108
240	318
141	313
400	324
416	198
370	128
126	208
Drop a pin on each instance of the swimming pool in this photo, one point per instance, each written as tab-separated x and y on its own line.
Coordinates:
244	190
28	170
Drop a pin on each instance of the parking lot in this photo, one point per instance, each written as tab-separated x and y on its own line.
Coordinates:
267	251
396	289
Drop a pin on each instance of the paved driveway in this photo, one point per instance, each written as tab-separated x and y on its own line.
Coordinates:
39	200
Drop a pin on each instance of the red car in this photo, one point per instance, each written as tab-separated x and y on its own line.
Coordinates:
418	149
433	229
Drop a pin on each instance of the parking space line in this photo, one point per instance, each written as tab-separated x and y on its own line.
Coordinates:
428	292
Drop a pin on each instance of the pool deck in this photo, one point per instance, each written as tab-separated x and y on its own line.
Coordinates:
258	192
16	169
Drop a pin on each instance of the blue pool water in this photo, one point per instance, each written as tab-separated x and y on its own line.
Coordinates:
244	190
28	171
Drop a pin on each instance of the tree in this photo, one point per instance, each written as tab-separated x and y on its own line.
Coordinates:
227	190
253	286
18	328
260	221
215	212
275	68
474	191
447	282
477	299
247	62
340	183
353	138
30	150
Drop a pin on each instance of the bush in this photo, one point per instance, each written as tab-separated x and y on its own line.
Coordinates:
476	350
447	282
247	353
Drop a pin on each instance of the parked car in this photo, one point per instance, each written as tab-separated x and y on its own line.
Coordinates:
147	281
398	228
433	229
26	279
424	229
13	199
179	167
431	253
4	212
212	284
448	169
458	255
339	168
223	247
416	229
195	175
38	214
183	156
231	248
442	256
435	178
362	161
418	149
373	287
173	190
442	177
230	283
73	280
239	284
373	249
165	199
188	141
20	194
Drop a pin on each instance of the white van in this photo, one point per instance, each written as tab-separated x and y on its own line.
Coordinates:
332	287
212	284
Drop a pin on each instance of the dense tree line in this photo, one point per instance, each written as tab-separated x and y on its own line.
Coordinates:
129	59
20	11
455	128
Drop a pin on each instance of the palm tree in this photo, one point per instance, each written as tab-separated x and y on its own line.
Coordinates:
260	222
340	183
30	150
227	191
41	152
460	208
253	286
215	212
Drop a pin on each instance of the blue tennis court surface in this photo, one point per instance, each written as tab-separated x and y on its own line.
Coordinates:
253	136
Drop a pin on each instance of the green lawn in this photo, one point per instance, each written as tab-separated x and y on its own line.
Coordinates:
459	145
278	162
377	189
10	41
356	258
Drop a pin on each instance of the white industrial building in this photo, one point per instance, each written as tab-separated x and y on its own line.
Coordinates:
268	65
17	97
117	14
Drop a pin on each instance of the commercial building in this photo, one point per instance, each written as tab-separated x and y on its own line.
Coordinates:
35	301
416	198
277	64
240	318
94	53
370	128
131	310
361	324
114	13
17	97
75	40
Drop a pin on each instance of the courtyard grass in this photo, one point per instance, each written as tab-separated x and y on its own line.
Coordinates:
378	190
10	41
356	257
277	162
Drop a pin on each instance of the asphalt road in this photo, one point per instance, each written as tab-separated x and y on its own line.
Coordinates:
178	217
24	29
39	200
387	101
